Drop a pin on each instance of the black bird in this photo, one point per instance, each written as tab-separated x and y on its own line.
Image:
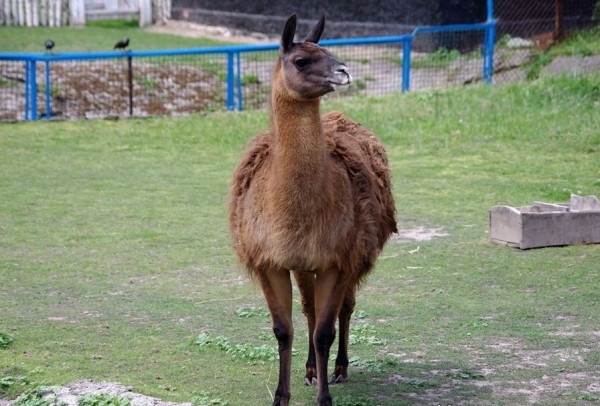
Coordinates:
124	43
49	44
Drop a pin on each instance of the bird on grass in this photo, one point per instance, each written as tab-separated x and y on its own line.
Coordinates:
124	43
49	44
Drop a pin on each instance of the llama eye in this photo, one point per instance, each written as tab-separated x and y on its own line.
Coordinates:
302	63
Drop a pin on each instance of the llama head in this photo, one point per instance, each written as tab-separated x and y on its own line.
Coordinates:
307	70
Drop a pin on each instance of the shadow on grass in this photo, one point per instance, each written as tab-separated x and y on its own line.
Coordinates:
427	383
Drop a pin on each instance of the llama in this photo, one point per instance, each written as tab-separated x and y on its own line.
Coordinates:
310	197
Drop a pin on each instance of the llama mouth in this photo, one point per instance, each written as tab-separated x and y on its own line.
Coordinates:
345	81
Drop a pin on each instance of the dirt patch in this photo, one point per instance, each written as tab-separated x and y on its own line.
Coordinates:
192	30
418	234
100	89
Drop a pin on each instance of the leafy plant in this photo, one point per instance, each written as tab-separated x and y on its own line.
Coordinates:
364	333
250	80
596	13
465	374
5	339
367	365
248	352
252	312
356	401
205	399
103	399
38	396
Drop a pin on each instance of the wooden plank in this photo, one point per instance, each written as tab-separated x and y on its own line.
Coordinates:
51	10
505	225
28	13
44	12
584	203
58	13
34	13
552	229
145	12
6	12
20	12
547	224
15	12
541	207
77	17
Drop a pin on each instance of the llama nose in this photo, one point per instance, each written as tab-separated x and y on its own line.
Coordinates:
343	70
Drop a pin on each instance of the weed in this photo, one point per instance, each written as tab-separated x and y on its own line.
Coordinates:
355	401
146	83
205	399
589	397
364	333
247	352
367	365
250	80
8	83
465	374
5	339
39	396
252	312
102	399
420	384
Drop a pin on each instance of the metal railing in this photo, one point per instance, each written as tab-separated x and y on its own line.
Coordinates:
227	64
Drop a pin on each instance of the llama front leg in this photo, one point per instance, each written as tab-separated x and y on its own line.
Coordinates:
340	373
277	288
306	285
329	295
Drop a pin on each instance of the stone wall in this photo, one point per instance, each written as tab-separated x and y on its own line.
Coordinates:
346	19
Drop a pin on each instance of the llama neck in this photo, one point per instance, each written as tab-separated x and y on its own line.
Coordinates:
300	149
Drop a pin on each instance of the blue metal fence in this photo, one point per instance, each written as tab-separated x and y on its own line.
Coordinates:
231	63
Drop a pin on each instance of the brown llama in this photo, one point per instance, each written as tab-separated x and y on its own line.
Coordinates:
311	196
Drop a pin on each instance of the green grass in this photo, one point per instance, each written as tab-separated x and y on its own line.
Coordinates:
96	37
115	262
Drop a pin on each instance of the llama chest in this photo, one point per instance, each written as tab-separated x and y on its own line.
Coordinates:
300	236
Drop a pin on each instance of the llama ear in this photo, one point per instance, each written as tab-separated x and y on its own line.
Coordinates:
287	36
315	35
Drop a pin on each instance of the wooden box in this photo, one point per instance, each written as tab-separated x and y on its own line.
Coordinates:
547	224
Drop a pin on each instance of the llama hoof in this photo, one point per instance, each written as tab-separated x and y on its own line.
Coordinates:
310	381
335	378
311	376
280	401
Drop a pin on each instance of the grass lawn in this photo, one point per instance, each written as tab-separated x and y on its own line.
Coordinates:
115	262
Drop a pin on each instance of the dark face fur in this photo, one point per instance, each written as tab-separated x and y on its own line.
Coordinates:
309	71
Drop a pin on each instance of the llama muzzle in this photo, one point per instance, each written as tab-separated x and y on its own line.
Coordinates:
341	77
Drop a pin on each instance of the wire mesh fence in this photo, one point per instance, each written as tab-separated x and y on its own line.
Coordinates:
541	19
146	83
140	84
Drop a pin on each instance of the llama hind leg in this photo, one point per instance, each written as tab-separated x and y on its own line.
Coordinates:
340	373
277	288
306	285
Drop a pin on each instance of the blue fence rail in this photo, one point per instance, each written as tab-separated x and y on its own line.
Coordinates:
234	62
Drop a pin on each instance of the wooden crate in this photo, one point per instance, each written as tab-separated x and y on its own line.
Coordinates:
547	224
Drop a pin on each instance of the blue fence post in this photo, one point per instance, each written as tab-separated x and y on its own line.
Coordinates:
230	82
239	81
48	92
30	91
26	91
488	44
406	57
33	89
